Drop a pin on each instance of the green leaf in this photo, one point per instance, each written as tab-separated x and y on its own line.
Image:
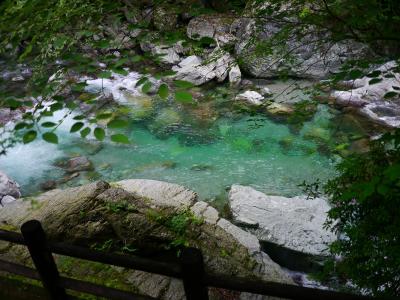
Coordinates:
29	136
141	81
182	84
13	104
117	123
120	71
354	74
20	126
183	97
390	95
79	117
146	87
99	133
374	74
85	132
56	106
205	40
71	105
76	127
136	58
375	80
79	87
168	73
48	124
103	44
120	138
27	51
50	137
103	116
105	74
163	91
121	62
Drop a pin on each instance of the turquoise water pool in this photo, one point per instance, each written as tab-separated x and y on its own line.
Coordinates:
206	148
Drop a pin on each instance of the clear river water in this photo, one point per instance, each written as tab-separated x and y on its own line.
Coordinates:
205	147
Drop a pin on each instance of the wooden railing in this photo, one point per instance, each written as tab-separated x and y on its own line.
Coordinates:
189	268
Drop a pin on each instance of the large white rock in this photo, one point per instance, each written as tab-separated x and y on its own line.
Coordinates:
201	209
168	54
8	187
190	61
295	223
235	75
251	97
197	71
160	193
369	97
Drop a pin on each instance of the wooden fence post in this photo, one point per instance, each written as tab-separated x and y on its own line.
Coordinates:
193	274
35	239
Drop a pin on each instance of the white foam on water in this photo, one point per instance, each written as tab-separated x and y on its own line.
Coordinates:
115	86
28	163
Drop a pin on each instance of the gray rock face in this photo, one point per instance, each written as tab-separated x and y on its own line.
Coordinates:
9	189
160	193
165	19
310	60
294	223
235	75
217	66
168	54
369	96
217	27
7	115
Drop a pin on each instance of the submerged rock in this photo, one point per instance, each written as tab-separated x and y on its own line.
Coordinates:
48	185
142	105
129	213
164	121
280	109
76	164
295	223
197	167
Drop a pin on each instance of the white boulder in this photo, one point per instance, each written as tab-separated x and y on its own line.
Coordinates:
9	189
294	223
197	71
251	97
160	193
369	95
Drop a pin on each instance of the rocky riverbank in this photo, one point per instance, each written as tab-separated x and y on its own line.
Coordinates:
146	217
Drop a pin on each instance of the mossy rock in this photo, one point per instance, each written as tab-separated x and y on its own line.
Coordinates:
109	218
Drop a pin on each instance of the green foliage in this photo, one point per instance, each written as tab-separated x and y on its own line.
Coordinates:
50	137
120	138
183	97
179	223
365	212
